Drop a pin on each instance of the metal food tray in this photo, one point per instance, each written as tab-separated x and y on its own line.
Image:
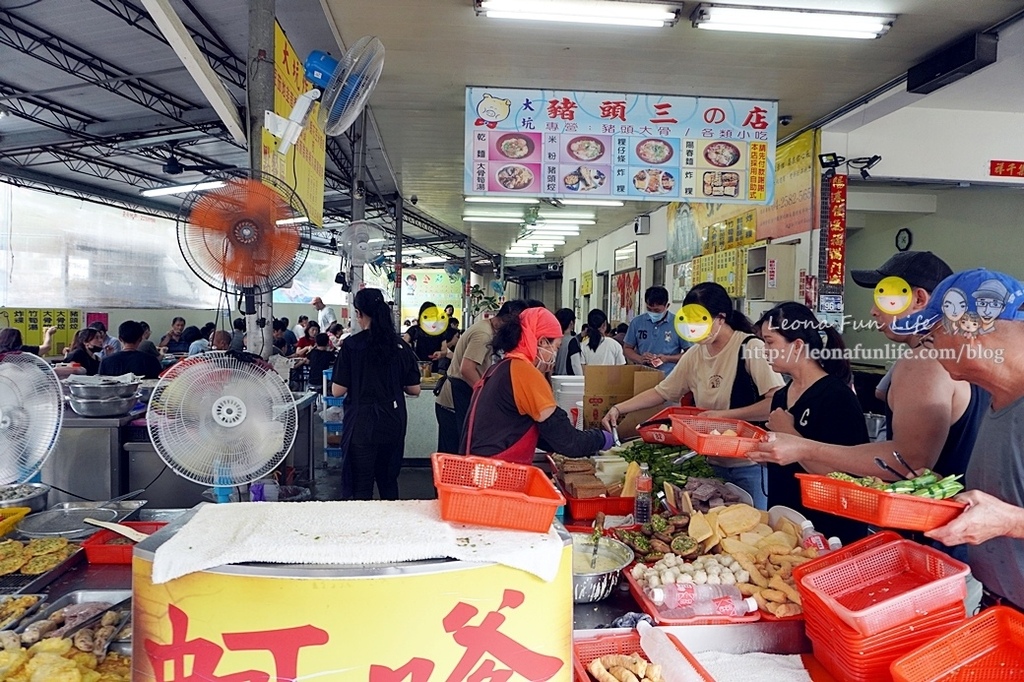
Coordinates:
18	583
126	510
113	597
28	614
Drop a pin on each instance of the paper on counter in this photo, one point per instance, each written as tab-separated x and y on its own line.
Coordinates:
753	666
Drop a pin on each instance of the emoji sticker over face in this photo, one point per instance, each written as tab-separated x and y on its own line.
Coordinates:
893	295
693	323
434	321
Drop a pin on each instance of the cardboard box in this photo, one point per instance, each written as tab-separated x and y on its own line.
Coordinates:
607	385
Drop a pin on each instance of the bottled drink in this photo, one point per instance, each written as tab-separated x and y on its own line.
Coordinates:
660	649
719	606
674	595
642	502
834	543
812	538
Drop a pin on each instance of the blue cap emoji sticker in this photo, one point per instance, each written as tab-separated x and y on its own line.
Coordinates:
693	323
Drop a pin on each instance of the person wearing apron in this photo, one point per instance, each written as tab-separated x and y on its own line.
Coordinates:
513	409
375	370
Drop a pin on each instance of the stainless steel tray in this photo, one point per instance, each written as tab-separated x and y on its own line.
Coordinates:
63	523
28	614
126	510
17	583
112	597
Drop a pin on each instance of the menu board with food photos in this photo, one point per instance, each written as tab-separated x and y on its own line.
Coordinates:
569	144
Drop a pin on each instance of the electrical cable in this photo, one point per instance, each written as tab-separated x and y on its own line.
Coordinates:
23	6
68	492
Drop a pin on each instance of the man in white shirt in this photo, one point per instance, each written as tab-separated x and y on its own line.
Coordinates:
325	314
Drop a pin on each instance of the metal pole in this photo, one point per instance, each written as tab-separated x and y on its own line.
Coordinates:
399	219
468	283
260	98
358	213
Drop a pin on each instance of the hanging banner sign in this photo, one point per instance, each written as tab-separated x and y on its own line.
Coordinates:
835	252
567	144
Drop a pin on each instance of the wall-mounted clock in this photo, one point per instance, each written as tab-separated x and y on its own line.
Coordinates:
904	238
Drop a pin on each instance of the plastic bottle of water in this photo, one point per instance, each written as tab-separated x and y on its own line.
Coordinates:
812	538
675	595
719	606
834	543
642	503
660	649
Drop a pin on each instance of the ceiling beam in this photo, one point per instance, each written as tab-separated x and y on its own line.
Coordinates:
202	73
109	132
27	177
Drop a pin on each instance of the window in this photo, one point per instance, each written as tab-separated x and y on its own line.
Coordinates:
658	271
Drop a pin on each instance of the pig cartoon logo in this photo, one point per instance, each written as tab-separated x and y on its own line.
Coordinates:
492	111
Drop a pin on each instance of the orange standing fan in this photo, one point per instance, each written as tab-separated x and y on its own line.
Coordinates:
246	234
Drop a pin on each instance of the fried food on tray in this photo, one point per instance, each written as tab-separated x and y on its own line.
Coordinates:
11	548
40	546
38	565
14	608
13	563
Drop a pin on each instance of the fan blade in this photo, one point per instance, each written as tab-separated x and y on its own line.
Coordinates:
350	87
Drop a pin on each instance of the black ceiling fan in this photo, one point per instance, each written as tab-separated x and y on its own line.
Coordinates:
173	166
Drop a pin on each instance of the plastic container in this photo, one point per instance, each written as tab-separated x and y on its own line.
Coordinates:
586	508
695	432
661	618
719	606
655	434
989	646
876	507
98	549
812	538
490	492
586	650
10	516
888	586
643	503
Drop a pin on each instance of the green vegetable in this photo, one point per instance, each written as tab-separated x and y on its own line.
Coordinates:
660	460
928	484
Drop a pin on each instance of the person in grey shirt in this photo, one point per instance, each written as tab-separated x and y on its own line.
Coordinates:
993	524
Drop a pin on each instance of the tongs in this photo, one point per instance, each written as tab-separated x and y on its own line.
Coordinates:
899	458
598	532
685	457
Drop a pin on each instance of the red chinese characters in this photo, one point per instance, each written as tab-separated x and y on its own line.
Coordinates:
613	109
835	250
564	109
756	118
662	113
484	639
204	655
714	115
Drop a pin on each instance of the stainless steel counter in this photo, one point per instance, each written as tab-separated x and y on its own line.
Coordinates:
302	456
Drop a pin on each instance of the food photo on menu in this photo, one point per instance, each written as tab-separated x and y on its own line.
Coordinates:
584	179
655	151
585	148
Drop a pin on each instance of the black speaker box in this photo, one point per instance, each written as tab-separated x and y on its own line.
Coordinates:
960	59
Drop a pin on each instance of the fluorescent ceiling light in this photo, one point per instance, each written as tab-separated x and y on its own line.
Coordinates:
296	221
552	231
501	200
431	259
799	22
523	255
559	221
181	189
592	202
490	219
473	212
644	14
564	215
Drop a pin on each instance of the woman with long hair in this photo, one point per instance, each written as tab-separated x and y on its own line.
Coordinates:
513	407
85	350
598	347
375	370
308	340
817	404
428	343
729	376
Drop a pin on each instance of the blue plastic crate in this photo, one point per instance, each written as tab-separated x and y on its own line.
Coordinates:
328	373
334	427
331	401
333	453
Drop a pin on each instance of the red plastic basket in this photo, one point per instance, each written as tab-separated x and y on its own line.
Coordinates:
586	650
879	508
98	549
889	585
651	609
811	601
989	646
655	434
892	642
695	432
586	508
490	492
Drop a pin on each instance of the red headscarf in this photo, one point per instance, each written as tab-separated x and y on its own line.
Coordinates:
537	324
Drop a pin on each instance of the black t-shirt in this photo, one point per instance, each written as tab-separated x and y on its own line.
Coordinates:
375	378
423	343
82	357
828	412
319	360
134	361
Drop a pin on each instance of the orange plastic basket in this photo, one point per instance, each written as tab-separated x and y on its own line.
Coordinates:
651	609
586	650
888	586
695	432
587	508
879	508
655	434
490	492
811	602
989	646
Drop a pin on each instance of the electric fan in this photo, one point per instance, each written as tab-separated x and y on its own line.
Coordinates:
359	243
31	412
345	86
222	419
246	235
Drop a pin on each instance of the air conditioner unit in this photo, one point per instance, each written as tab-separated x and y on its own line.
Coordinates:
960	59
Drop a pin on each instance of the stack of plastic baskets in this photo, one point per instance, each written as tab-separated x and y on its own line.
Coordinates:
332	430
872	601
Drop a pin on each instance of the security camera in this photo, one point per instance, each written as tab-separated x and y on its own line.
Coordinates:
414	199
785	120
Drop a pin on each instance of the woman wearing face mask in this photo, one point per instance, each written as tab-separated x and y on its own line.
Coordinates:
85	350
729	375
513	407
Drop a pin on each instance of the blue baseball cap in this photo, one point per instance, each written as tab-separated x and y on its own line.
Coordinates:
967	302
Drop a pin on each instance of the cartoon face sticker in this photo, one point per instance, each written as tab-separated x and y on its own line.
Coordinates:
410	284
969	325
954	306
989	300
491	111
693	323
893	295
434	321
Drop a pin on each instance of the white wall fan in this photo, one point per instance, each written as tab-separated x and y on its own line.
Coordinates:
361	242
31	414
343	88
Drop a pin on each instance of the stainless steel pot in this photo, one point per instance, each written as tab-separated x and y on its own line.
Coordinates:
103	391
31	495
589	585
146	388
110	407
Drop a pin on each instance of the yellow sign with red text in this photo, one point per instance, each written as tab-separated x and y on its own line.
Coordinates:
483	621
302	168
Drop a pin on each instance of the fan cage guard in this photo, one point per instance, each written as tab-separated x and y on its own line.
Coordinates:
351	85
239	237
220	420
358	251
31	415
